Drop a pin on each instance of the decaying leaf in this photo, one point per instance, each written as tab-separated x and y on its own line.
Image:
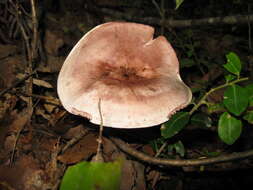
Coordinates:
37	82
20	120
41	112
86	147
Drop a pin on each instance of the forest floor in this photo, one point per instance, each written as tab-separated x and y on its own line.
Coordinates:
38	142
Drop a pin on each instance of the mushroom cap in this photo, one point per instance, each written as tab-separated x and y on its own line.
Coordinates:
135	76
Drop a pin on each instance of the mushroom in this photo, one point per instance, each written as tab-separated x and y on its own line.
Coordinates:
135	76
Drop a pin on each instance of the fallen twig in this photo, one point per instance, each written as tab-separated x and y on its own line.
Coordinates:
171	23
180	162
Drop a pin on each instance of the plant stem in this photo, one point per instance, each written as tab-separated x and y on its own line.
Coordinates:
161	149
98	156
202	100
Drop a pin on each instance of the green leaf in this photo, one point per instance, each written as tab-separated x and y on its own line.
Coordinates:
250	93
236	99
233	63
229	128
179	147
250	89
249	117
229	78
178	3
175	124
201	119
92	176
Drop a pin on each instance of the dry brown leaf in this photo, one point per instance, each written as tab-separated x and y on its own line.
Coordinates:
42	83
19	121
49	107
37	82
24	98
57	116
48	144
22	175
41	112
86	147
52	100
74	131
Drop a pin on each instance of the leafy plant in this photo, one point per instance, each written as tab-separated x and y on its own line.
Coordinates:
235	105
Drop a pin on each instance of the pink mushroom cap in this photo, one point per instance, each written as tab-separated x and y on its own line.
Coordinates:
135	76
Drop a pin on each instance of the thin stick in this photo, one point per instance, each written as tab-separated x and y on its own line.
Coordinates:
161	149
32	53
35	31
181	162
99	155
15	145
